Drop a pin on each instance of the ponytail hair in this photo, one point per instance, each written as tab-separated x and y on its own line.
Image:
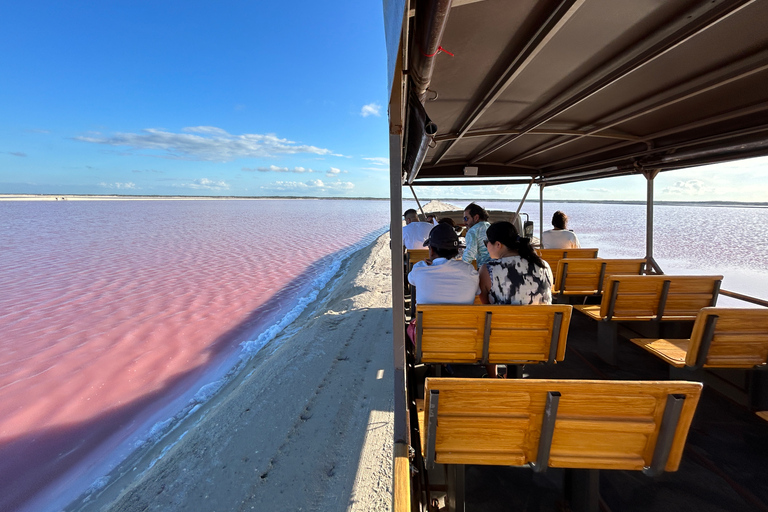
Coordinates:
506	233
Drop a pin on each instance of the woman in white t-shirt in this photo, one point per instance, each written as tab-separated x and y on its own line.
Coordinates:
559	237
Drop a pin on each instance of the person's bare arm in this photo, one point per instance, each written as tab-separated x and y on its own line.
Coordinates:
485	284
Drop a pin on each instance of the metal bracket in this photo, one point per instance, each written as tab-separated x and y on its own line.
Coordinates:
715	292
547	432
663	299
614	296
419	333
563	277
434	396
601	279
706	342
554	343
667	430
486	337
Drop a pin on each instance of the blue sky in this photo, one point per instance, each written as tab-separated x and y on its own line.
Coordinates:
235	98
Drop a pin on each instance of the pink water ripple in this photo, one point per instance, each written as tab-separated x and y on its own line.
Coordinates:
109	309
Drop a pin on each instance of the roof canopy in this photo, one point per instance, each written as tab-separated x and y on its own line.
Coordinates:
572	90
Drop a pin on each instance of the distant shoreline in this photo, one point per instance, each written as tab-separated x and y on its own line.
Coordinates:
117	197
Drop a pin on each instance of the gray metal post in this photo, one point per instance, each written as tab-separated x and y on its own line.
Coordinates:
541	213
649	176
398	275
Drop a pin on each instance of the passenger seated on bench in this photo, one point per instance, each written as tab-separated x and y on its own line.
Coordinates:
442	279
414	231
515	274
560	237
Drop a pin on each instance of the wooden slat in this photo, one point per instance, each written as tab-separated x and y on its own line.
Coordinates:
639	296
552	256
671	351
583	274
740	340
599	425
402	477
455	333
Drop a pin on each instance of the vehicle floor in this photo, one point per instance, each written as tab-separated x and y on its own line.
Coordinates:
724	466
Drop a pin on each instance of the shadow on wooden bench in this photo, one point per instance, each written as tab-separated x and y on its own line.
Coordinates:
648	298
552	256
721	338
491	334
586	276
575	424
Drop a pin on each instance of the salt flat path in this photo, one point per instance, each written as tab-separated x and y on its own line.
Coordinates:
307	425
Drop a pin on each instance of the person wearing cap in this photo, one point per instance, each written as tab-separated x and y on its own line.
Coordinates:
415	232
442	279
476	219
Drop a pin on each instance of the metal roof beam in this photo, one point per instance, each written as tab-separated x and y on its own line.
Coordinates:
497	132
672	35
472	183
564	11
704	83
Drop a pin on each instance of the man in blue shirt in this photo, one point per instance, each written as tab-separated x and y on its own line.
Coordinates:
476	219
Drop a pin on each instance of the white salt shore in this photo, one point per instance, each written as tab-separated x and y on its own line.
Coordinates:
306	426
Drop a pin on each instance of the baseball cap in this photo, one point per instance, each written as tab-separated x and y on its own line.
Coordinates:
442	236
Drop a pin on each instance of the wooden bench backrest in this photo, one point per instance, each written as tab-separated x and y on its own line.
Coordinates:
586	276
737	338
416	255
599	424
630	297
552	256
516	334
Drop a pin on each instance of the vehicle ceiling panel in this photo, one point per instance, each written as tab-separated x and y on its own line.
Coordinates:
638	70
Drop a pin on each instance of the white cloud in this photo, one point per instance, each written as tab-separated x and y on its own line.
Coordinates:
378	160
598	190
204	184
17	153
128	185
309	186
274	168
207	143
371	109
688	188
334	172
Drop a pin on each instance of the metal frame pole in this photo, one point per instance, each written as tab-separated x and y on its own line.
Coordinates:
649	176
541	214
417	202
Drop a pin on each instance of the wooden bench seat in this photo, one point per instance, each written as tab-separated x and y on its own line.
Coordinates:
721	338
582	424
552	256
491	334
586	276
648	298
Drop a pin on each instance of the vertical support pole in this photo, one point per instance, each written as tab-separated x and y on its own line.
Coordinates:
456	488
649	176
541	214
582	488
401	423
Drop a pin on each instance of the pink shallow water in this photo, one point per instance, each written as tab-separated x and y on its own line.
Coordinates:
110	309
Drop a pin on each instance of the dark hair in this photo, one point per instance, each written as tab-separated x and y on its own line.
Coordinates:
448	254
560	220
475	209
447	220
506	233
408	212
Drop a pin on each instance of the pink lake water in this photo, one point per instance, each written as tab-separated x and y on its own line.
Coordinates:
109	310
114	315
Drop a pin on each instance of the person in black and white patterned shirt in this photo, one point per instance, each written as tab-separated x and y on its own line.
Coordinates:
515	274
